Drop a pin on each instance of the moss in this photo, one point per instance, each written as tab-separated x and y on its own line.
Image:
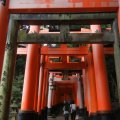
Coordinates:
22	35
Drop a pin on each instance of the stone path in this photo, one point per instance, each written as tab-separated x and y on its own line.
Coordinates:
61	117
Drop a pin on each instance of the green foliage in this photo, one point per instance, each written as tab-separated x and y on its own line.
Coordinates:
75	45
104	26
72	45
18	81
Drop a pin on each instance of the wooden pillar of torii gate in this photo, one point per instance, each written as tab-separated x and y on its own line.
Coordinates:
91	87
31	75
44	95
40	87
42	91
116	30
8	70
119	17
50	91
4	17
79	95
102	88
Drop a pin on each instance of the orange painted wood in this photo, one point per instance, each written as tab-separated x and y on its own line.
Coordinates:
29	78
34	28
37	83
72	66
66	51
42	59
75	93
92	84
84	86
53	97
63	51
87	94
108	50
46	89
102	88
4	17
43	101
35	6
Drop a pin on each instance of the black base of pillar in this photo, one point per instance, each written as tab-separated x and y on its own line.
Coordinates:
104	116
39	116
49	111
81	112
93	117
85	114
26	115
100	116
44	114
116	114
36	115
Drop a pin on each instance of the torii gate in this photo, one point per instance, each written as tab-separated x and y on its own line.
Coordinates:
65	53
47	6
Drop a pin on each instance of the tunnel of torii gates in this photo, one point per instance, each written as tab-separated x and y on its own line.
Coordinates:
39	69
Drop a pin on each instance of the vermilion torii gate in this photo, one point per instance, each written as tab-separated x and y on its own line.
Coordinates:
64	14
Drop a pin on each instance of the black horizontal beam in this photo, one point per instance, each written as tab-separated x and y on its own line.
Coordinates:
106	37
67	18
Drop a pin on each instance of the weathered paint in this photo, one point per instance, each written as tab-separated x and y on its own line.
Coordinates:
119	17
8	71
4	17
117	55
33	6
66	38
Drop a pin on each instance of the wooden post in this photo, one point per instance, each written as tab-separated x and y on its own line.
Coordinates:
43	101
8	70
92	84
37	82
64	32
84	86
117	54
51	77
4	19
39	101
102	87
27	105
119	16
79	95
31	73
46	94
